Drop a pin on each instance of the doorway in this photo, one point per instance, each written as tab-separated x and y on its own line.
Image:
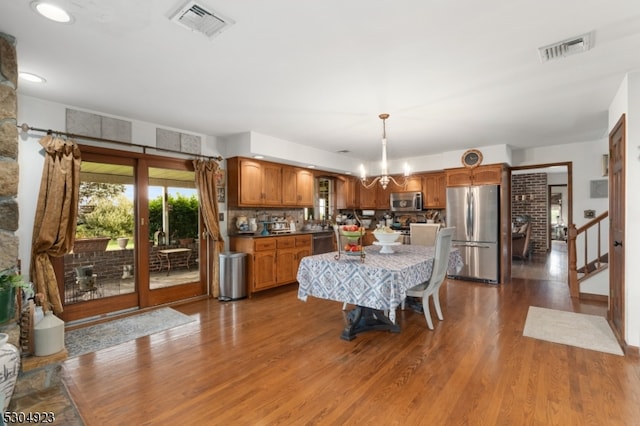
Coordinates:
143	211
531	196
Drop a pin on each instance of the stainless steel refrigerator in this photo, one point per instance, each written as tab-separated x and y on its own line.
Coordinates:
475	212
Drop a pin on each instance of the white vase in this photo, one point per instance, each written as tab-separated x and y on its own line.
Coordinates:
9	368
48	335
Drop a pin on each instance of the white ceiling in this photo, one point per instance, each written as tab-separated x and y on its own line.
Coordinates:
452	74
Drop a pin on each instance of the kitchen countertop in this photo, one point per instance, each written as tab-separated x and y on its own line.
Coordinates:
280	234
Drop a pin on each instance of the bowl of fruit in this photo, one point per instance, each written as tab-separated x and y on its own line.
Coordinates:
352	248
386	235
352	231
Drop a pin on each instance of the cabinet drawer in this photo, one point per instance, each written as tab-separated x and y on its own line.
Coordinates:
286	242
261	244
303	240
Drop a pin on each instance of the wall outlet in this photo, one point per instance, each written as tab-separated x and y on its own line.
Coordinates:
221	217
589	214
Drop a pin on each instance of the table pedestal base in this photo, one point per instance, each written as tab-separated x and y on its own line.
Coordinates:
362	319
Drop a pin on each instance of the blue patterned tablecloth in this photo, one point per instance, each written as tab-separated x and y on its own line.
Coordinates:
381	282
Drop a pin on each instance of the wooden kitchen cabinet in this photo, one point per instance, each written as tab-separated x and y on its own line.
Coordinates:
297	187
368	197
481	175
414	184
347	192
435	191
272	261
254	183
261	261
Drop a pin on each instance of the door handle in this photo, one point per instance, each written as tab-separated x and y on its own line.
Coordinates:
617	243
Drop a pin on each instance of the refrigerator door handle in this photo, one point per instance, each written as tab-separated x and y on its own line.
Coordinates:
467	215
471	245
473	214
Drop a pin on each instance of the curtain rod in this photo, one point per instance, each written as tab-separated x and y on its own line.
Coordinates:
25	128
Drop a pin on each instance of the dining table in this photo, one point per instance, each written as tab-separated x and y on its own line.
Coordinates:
376	284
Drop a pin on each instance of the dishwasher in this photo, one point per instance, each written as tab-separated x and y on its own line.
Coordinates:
322	242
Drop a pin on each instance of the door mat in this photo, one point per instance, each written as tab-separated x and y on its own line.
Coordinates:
570	328
100	336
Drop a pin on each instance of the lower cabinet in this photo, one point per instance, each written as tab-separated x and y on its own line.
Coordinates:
272	261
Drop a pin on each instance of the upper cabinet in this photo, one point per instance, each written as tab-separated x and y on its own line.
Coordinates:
297	187
347	192
435	191
254	183
481	175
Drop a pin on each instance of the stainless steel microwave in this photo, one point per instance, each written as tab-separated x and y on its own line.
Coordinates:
406	201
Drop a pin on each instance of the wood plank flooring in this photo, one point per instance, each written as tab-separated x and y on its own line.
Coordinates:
274	359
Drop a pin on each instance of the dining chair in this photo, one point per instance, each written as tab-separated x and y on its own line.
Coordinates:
431	287
424	234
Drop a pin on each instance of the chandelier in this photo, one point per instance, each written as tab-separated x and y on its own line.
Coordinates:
384	177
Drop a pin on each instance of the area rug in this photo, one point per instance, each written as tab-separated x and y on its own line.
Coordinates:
111	333
570	328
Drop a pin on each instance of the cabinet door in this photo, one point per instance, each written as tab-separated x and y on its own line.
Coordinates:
487	175
304	183
272	184
368	197
264	270
347	193
353	186
383	195
458	177
250	183
414	184
434	191
286	266
289	186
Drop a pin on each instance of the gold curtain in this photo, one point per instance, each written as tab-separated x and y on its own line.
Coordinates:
206	171
54	228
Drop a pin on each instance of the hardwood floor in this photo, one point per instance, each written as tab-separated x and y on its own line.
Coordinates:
274	359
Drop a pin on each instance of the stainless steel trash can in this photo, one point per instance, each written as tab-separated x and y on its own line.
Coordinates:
233	282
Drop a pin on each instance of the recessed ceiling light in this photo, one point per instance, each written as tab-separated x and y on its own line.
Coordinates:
258	157
52	12
33	78
311	166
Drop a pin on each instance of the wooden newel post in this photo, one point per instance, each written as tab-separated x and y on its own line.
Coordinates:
573	273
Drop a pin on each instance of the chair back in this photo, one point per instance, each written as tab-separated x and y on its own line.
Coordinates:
424	234
441	259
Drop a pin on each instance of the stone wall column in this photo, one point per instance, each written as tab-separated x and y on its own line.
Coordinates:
8	152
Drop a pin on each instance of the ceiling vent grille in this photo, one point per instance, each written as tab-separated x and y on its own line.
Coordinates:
566	48
198	18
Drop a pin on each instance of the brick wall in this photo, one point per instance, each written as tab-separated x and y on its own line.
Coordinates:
108	264
529	197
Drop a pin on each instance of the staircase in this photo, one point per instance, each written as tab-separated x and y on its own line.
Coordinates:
587	240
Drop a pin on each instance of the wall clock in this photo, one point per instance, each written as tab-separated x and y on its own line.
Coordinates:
472	158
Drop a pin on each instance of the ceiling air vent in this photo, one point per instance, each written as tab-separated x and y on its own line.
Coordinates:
566	48
196	17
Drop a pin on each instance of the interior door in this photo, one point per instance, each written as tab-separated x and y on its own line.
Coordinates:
617	146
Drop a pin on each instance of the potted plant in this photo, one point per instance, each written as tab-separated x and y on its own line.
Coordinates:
10	281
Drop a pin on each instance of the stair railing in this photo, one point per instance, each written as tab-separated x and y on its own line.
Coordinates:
588	267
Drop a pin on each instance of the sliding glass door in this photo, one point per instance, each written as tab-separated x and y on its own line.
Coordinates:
137	240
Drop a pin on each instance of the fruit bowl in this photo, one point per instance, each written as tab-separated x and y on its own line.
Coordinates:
387	237
352	234
351	231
